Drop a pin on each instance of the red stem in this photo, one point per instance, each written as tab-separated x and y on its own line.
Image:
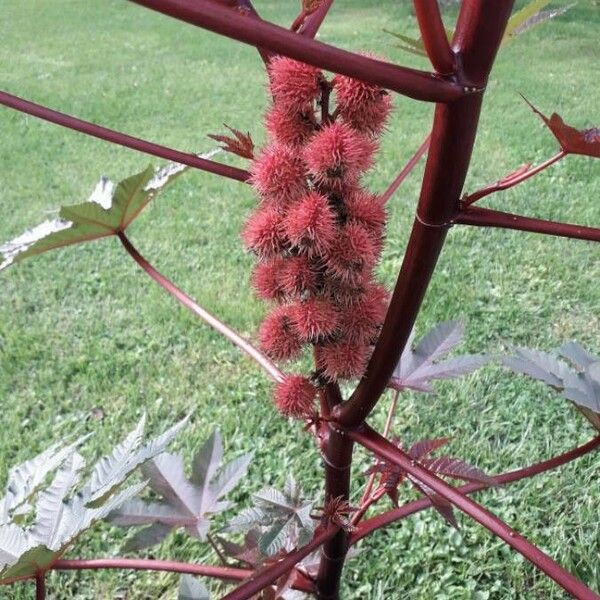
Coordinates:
407	169
485	217
434	36
416	84
139	564
509	182
478	35
367	527
313	22
262	579
371	440
188	302
40	586
116	137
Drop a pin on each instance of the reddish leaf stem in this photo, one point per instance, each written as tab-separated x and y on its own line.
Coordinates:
485	217
188	302
407	169
313	22
434	36
116	137
509	182
371	440
260	580
139	564
367	527
40	586
416	84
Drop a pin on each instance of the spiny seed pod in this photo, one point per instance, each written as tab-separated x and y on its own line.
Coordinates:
263	233
298	276
278	174
290	129
314	319
295	396
310	224
294	85
360	322
353	253
337	155
278	337
364	106
342	360
267	279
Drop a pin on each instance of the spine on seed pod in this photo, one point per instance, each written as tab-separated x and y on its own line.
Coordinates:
317	233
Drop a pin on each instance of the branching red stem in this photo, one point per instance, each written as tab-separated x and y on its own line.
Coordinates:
434	36
407	169
509	182
265	577
410	82
485	217
313	22
374	442
188	302
379	521
116	137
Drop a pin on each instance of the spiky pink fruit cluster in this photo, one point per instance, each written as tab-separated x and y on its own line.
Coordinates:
317	233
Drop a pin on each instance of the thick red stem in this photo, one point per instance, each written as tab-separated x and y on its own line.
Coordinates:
265	577
485	217
188	302
40	586
313	22
478	35
434	36
116	137
377	444
407	169
140	564
370	525
410	82
509	182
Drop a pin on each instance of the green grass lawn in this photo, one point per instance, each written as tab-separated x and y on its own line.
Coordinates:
84	329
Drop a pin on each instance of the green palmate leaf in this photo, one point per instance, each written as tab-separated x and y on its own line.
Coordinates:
109	210
580	385
191	589
421	365
187	503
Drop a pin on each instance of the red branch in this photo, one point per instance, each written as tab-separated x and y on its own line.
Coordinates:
416	84
315	19
434	36
116	137
265	577
485	217
509	181
407	169
139	564
40	586
219	326
376	443
367	527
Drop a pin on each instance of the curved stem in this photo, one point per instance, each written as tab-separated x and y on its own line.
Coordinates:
407	169
188	302
371	440
116	137
416	84
486	217
434	36
140	564
367	527
509	181
265	577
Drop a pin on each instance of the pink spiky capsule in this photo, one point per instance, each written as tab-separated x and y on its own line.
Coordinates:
263	233
295	396
298	276
267	280
310	224
337	155
278	337
314	319
360	322
278	174
352	254
294	85
290	129
342	359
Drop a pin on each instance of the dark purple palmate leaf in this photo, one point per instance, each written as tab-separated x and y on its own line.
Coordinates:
240	144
